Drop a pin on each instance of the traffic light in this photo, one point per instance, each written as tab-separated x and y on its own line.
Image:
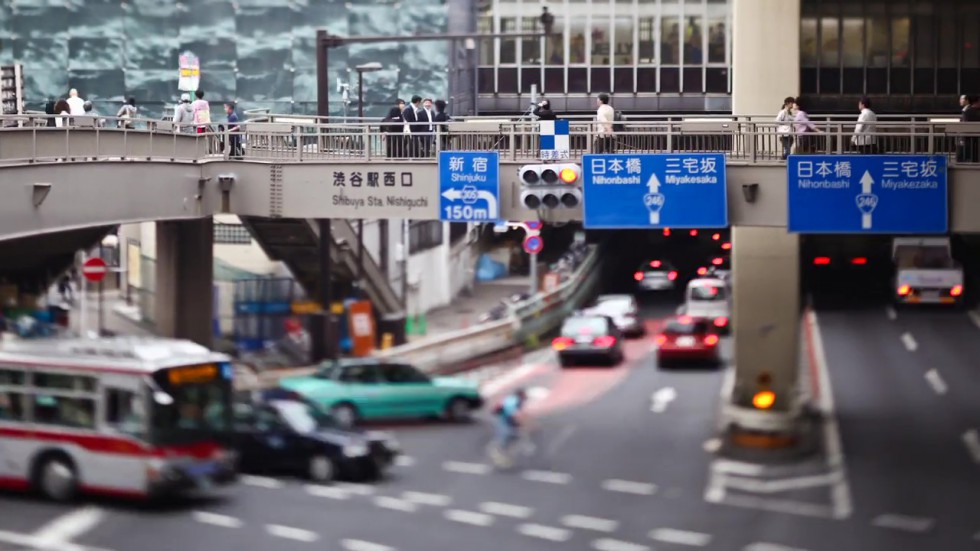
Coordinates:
764	398
551	186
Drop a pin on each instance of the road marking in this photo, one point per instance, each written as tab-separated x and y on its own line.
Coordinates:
395	504
762	546
215	519
404	461
361	545
469	517
712	445
560	440
607	544
782	484
681	537
544	532
29	541
904	523
728	466
590	523
326	491
423	498
356	489
68	527
972	441
891	313
260	481
936	382
909	341
466	468
841	492
789	507
974	317
506	510
629	487
662	398
550	477
290	533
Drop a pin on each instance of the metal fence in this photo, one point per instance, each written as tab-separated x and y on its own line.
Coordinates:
284	139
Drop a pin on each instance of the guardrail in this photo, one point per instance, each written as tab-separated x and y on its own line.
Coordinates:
296	140
532	317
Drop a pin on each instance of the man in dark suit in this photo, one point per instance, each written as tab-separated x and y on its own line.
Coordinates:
424	128
411	119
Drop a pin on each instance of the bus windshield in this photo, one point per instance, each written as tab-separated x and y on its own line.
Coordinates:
198	407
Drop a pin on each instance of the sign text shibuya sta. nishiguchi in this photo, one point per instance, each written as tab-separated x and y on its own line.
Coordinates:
393	191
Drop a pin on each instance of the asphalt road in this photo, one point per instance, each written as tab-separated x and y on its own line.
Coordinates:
611	474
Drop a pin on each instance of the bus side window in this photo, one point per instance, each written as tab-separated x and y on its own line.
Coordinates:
11	406
64	411
124	411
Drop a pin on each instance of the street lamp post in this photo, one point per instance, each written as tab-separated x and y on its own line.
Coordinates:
361	69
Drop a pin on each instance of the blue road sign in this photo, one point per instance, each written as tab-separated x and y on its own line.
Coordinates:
533	244
868	194
469	186
662	190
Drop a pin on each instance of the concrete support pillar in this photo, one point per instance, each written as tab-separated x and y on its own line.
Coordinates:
765	55
184	295
766	317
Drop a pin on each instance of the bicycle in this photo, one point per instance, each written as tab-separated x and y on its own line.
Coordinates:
506	457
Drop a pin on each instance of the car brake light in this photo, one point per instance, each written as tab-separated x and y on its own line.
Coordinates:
956	291
726	246
904	290
821	260
661	339
716	237
672	275
604	341
694	233
655	264
717	261
702	271
561	343
721	322
666	232
859	261
638	276
711	340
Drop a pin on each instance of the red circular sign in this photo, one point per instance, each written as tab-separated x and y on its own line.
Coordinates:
95	269
533	244
534	225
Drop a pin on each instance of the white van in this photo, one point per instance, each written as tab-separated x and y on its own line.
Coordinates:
709	298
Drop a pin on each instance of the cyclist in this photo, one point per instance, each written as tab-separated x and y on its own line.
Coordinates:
508	423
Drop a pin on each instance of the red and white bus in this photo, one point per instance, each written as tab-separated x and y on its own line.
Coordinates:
122	416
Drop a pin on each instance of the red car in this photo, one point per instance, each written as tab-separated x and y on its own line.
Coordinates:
688	339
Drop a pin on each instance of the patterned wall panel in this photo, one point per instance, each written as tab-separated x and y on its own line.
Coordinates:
257	52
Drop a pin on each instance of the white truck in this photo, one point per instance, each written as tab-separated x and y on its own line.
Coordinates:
925	271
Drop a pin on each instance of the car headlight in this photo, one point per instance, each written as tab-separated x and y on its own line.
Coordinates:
355	450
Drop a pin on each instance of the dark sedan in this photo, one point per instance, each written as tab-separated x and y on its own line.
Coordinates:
589	337
281	432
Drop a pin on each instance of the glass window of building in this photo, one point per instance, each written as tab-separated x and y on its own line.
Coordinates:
670	40
484	26
717	31
829	42
576	40
600	37
554	50
648	47
808	42
693	40
530	47
624	53
852	36
508	46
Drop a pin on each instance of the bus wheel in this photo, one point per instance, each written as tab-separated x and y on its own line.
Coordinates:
57	478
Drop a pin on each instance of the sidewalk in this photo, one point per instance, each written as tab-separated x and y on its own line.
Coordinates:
120	318
465	310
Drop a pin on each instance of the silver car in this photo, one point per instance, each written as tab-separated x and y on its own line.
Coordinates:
624	312
656	275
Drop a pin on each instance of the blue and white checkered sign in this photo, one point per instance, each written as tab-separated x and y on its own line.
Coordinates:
555	142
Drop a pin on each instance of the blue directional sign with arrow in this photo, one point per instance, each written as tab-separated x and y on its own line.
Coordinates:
663	190
469	186
868	194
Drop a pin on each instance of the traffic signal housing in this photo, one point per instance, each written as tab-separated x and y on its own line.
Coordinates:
551	186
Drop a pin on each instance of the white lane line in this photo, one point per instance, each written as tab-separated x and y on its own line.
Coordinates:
590	523
841	493
356	489
423	498
763	546
550	477
785	506
544	532
936	382
904	523
629	487
909	341
681	537
729	466
891	313
290	533
68	527
28	541
326	491
660	399
506	510
560	440
260	481
395	504
404	461
972	441
215	519
466	468
974	317
361	545
608	544
469	517
782	484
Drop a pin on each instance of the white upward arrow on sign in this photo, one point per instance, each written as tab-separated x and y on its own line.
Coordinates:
866	188
653	186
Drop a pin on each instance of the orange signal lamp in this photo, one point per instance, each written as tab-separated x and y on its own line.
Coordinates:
764	399
568	175
904	290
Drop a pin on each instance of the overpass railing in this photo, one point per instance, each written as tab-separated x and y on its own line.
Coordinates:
301	139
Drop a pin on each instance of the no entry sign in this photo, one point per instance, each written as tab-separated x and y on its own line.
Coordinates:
95	269
533	244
